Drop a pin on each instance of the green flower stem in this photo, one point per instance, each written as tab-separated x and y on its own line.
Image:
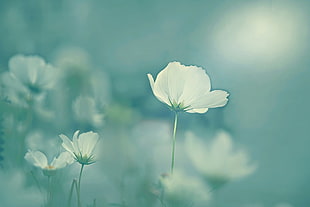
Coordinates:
73	186
36	181
49	191
174	140
215	199
94	203
79	187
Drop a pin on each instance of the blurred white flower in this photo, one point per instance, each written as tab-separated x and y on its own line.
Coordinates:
27	78
85	111
32	72
14	90
186	88
182	190
39	159
218	162
82	146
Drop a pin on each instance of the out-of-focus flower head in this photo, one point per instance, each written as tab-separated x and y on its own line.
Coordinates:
85	111
33	72
186	88
82	146
180	189
28	76
218	162
39	159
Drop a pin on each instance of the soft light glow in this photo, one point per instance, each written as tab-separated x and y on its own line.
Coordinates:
259	33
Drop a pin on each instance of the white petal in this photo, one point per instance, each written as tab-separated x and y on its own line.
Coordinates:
18	67
36	158
175	73
75	143
213	99
222	146
196	83
64	159
67	144
159	92
87	142
238	165
201	110
151	80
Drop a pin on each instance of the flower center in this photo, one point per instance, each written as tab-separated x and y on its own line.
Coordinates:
84	159
34	88
178	107
49	167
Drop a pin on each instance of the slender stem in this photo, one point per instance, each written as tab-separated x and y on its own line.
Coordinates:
215	199
73	186
161	198
36	181
79	187
174	140
49	191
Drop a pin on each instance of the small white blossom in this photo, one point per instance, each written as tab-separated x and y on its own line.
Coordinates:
218	162
39	160
186	88
82	146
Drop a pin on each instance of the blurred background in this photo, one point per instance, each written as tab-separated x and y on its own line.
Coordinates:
258	51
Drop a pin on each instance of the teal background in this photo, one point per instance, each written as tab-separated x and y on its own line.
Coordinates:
268	82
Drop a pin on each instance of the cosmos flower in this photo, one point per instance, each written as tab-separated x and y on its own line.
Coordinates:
81	146
39	159
218	162
186	88
33	72
180	189
27	79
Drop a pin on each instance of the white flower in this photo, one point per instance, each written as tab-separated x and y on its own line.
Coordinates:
218	162
32	72
81	146
39	159
28	77
186	88
180	189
